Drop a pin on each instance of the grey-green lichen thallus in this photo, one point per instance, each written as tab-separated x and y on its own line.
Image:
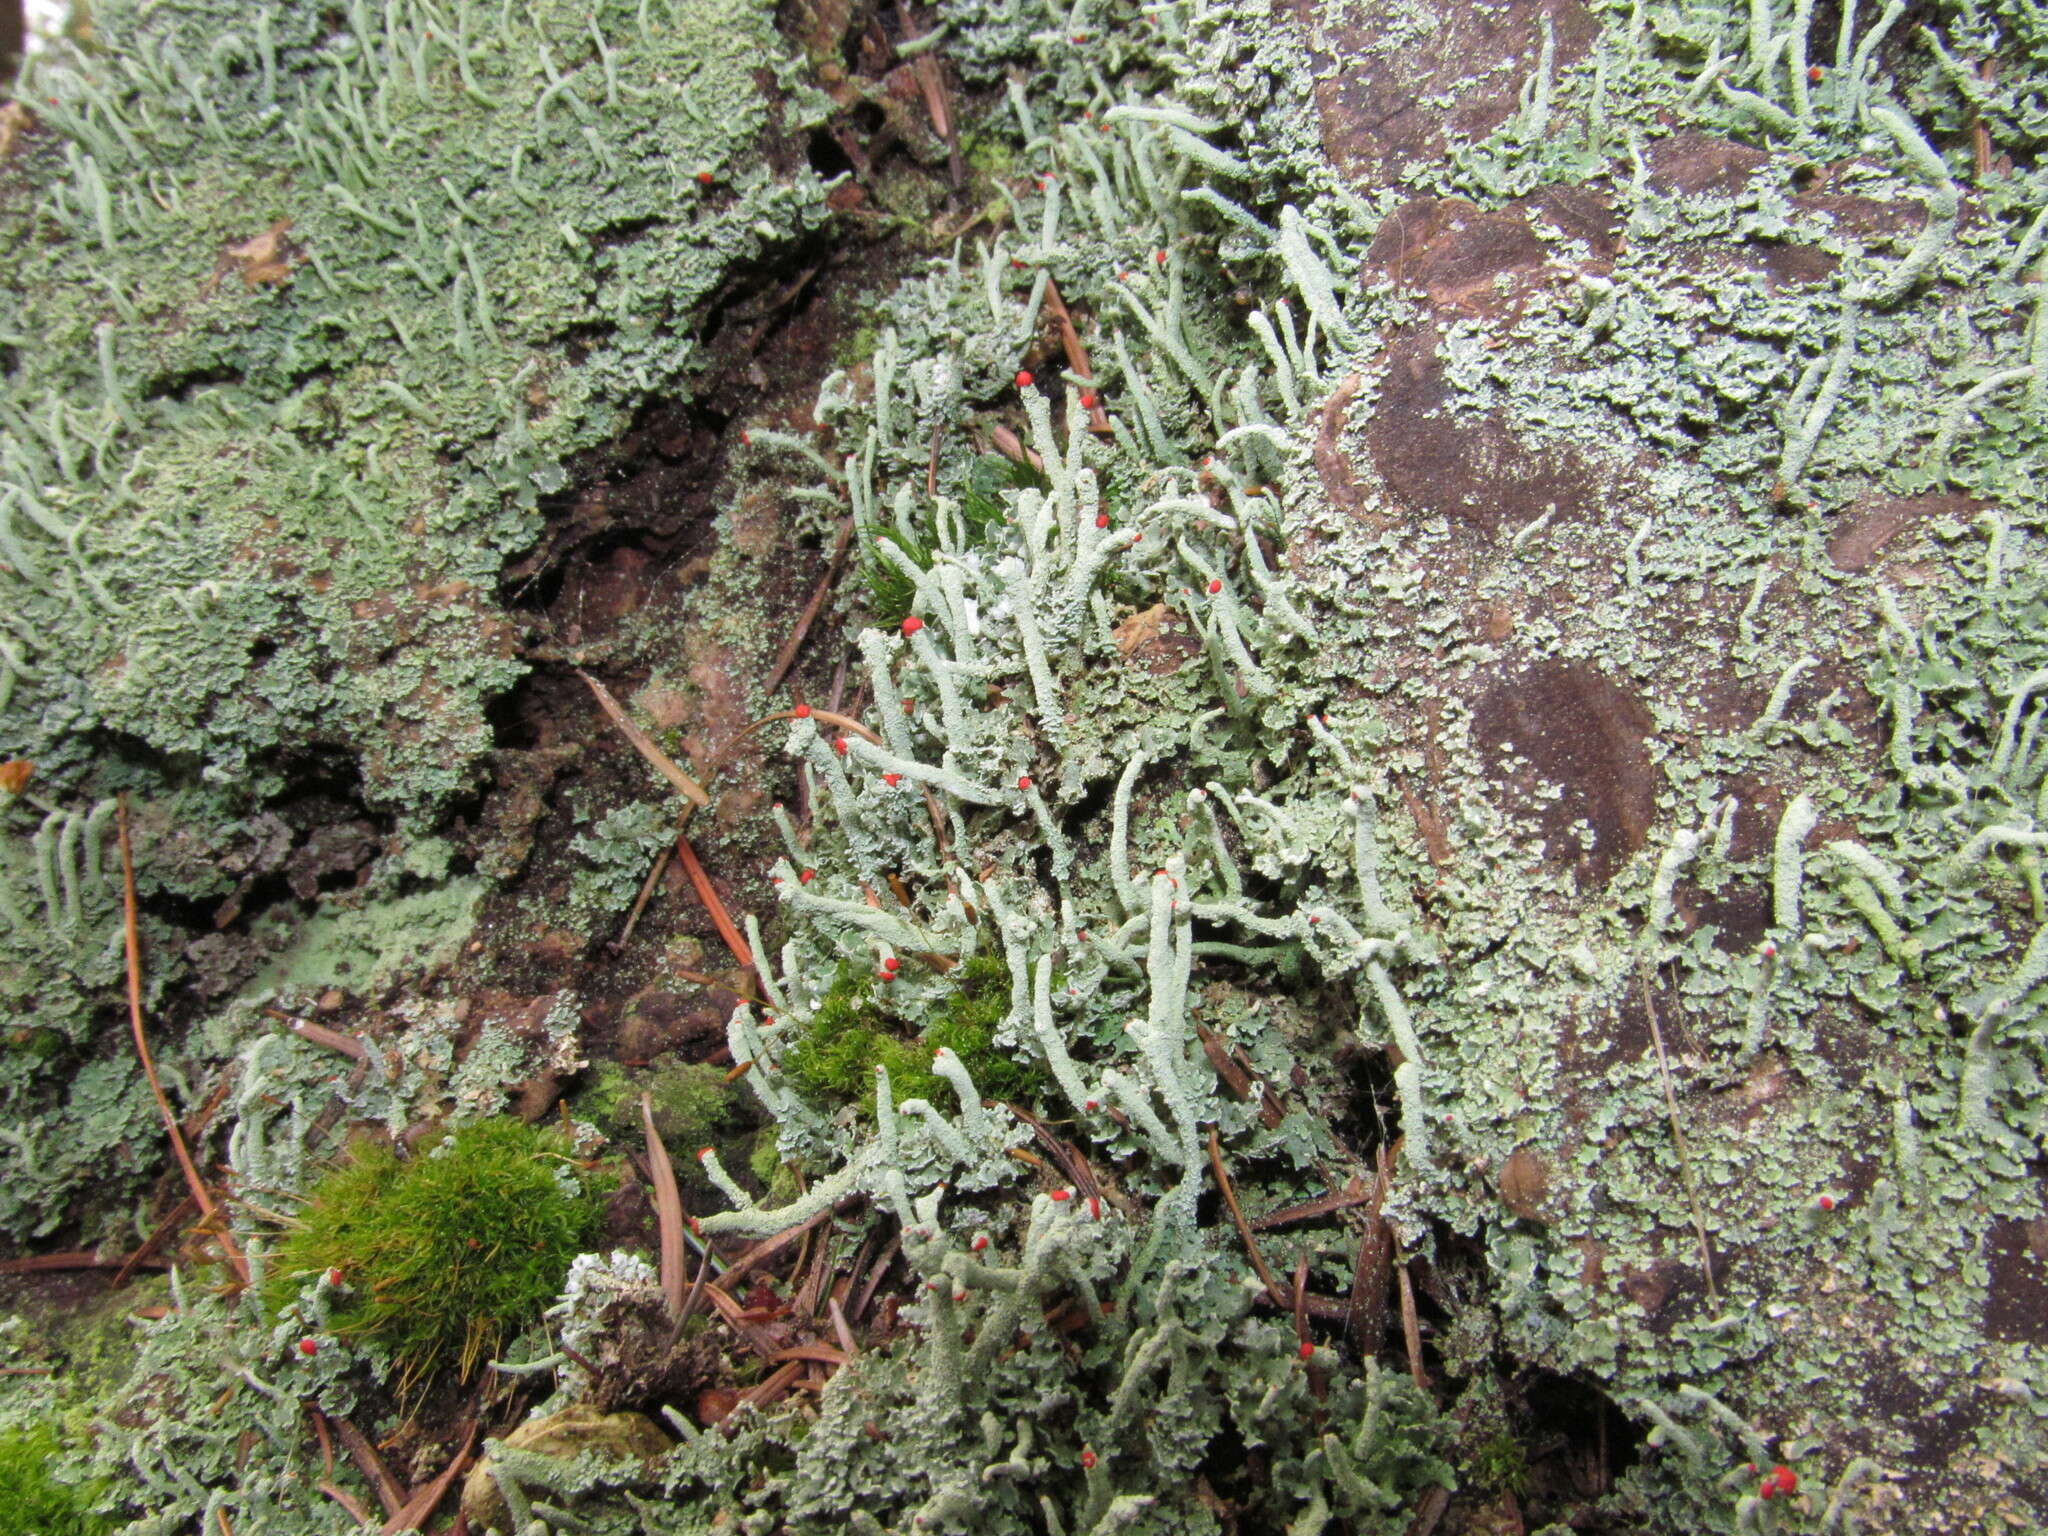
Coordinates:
1501	670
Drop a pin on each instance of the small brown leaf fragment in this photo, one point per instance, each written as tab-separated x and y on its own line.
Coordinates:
264	260
1524	1184
1139	630
15	120
14	776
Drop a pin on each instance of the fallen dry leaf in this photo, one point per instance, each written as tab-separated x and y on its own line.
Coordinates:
14	776
1140	629
14	122
263	259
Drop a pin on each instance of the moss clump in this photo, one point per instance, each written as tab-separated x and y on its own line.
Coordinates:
36	1503
693	1103
853	1032
453	1251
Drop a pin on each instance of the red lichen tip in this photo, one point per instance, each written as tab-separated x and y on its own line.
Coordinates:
1087	1459
1094	1209
807	876
1088	401
1023	781
1023	378
1215	585
1785	1480
912	625
802	711
891	964
702	1153
1827	1202
840	746
705	178
1160	257
980	1241
1813	74
1059	1194
1307	1350
892	779
309	1347
1090	1105
334	1277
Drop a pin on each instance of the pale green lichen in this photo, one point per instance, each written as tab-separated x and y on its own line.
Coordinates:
1368	881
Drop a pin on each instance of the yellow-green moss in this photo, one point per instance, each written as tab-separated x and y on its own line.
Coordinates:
853	1031
36	1504
443	1257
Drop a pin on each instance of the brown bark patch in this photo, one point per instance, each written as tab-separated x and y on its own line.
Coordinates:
1568	726
1384	110
1466	466
1862	532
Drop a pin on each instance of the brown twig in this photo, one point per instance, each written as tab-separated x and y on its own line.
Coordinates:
351	1046
668	1209
786	658
346	1500
1357	1192
708	894
1070	1161
132	932
1411	1326
1429	1510
767	1249
773	1388
420	1507
645	745
1010	446
43	1263
1251	1244
733	1315
840	1329
931	83
146	1249
1300	1300
1244	1084
647	887
319	1423
830	717
876	1276
1373	1274
1076	350
823	1354
703	980
371	1465
689	1306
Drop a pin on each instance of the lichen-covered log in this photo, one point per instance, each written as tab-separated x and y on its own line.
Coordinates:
1447	654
